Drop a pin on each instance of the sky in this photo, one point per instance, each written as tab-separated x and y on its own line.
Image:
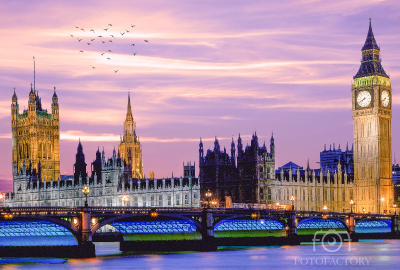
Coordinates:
210	68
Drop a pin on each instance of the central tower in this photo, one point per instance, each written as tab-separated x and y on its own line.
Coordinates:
372	114
129	147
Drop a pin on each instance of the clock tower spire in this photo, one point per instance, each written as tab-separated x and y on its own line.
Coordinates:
372	114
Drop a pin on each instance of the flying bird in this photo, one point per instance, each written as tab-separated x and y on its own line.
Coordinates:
108	58
133	44
112	36
103	41
146	40
77	26
100	36
102	53
80	51
135	53
71	35
92	39
109	51
110	40
127	31
91	30
116	71
93	67
88	43
122	33
132	25
109	24
79	39
105	29
83	29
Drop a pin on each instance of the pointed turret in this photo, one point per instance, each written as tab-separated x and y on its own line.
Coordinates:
216	146
129	109
272	144
371	62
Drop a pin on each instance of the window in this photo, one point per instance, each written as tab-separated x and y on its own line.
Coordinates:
160	201
169	200
186	199
177	199
144	201
135	201
152	200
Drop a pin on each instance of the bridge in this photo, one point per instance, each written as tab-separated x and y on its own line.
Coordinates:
69	231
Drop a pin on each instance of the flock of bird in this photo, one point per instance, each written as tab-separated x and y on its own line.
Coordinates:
103	40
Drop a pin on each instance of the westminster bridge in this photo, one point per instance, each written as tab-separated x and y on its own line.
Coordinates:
69	231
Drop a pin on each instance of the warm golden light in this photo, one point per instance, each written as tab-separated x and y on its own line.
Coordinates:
351	202
86	190
277	204
292	198
325	208
94	221
153	214
208	194
382	199
125	198
75	221
253	215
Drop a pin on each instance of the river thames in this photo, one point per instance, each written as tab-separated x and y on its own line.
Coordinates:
377	254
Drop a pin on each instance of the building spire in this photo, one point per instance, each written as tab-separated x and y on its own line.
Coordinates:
34	75
129	112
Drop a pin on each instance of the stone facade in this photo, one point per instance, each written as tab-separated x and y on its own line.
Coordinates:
114	182
36	136
372	114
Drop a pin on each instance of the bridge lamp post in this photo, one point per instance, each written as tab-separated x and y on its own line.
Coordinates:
292	199
86	191
351	205
382	200
208	195
395	206
125	199
153	213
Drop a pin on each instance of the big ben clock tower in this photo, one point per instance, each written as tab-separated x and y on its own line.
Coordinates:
372	114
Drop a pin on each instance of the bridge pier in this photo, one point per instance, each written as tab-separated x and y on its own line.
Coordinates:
395	225
291	231
86	247
207	234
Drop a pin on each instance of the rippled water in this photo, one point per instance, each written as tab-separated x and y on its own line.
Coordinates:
382	254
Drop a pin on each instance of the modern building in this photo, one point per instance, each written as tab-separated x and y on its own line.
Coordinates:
36	136
372	114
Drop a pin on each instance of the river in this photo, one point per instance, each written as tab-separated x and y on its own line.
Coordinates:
377	254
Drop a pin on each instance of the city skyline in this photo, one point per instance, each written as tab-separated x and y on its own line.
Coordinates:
220	74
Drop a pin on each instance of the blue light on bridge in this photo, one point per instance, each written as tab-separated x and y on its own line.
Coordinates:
249	225
34	233
374	226
319	223
167	226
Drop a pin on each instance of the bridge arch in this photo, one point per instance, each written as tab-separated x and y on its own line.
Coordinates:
318	223
373	226
33	229
132	215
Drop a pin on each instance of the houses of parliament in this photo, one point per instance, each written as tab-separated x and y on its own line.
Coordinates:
362	173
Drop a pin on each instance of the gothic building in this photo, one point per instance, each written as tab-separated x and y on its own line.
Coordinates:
36	136
372	114
220	175
130	147
110	181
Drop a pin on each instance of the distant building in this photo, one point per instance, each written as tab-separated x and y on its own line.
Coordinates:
220	175
329	159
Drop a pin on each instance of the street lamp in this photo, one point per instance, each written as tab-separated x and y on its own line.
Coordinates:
125	199
325	208
208	195
395	206
86	191
292	199
351	205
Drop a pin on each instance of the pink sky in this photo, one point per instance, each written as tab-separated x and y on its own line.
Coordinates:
211	68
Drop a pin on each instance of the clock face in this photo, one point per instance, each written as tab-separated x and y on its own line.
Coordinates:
385	99
364	99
